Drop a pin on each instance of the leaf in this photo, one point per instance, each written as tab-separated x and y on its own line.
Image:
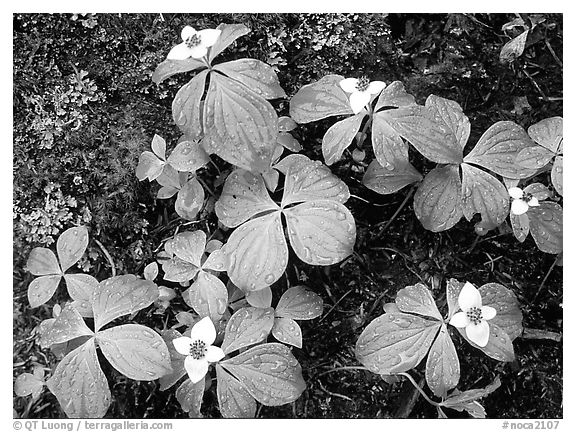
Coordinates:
389	148
321	232
389	180
548	133
299	303
42	261
286	124
257	253
339	137
520	226
498	148
499	345
442	364
188	246
186	106
71	245
320	99
176	360
172	67
208	296
42	289
81	287
535	157
308	180
261	298
230	32
121	295
151	271
513	48
233	398
241	127
459	399
287	331
247	327
557	174
483	193
395	342
538	190
80	385
453	288
170	178
254	74
243	197
159	146
508	314
418	300
217	261
269	372
190	397
177	270
394	95
286	140
27	384
135	351
437	202
67	326
452	117
546	227
188	156
190	200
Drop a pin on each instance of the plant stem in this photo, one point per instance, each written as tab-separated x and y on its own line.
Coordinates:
415	384
108	257
397	212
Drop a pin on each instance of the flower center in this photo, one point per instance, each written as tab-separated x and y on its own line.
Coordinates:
474	314
198	350
193	41
527	196
362	84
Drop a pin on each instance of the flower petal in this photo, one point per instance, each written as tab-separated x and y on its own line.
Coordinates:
349	84
198	51
478	333
208	37
533	202
488	312
196	369
179	52
204	330
516	192
214	354
460	320
359	100
182	345
376	87
187	32
469	297
519	207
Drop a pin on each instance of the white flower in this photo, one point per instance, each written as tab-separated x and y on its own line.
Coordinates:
521	201
361	90
198	349
473	316
196	43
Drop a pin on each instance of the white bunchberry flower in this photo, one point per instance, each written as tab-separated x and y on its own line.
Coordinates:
473	316
195	45
521	201
361	91
198	349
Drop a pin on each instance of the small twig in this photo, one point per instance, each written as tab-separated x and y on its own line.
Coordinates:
530	333
553	53
535	84
397	212
341	368
544	280
335	394
108	256
335	304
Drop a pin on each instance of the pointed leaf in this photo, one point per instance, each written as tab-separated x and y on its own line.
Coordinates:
42	289
389	180
535	157
190	397
172	67
177	270
159	146
483	193
190	200
254	74
339	137
257	253
170	178
217	261
151	271
437	201
470	395
395	342
286	124
453	288
135	351
417	299
389	148
538	190
67	326
548	133
188	156
121	295
241	127
557	174
166	192
186	106
230	32
244	196
287	331
27	384
513	48
71	245
208	296
442	364
321	232
286	140
520	226
546	227
42	261
233	398
394	95
81	288
498	148
176	360
149	166
188	246
299	303
269	372
508	314
80	385
247	327
499	345
452	117
261	298
320	99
